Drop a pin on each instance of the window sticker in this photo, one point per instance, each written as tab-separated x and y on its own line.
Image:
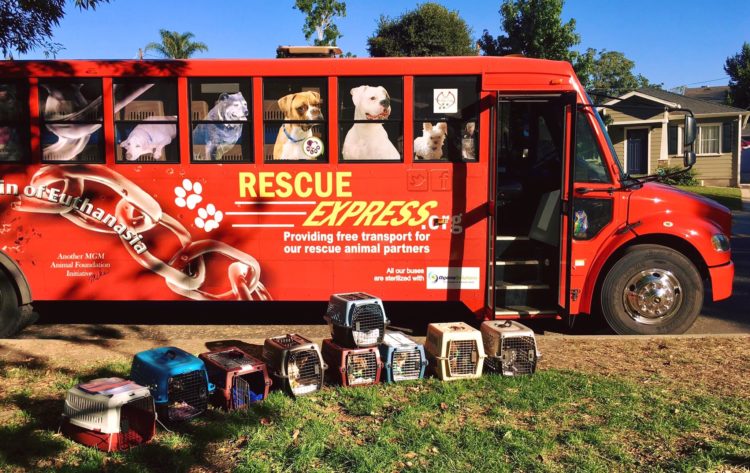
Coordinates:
445	101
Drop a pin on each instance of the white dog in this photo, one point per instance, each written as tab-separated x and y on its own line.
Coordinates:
430	144
369	140
220	138
149	138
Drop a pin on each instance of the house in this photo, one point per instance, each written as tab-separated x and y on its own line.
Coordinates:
647	136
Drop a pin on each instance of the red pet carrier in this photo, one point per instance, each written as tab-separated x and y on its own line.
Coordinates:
352	366
110	414
240	379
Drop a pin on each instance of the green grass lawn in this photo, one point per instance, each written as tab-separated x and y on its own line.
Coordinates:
730	197
556	420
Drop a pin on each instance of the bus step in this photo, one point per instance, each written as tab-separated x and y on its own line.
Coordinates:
513	247
518	271
533	295
523	311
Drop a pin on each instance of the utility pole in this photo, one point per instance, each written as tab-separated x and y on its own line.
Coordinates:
140	54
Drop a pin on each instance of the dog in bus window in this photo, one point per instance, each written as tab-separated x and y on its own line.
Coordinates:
219	138
369	140
468	141
301	106
430	144
150	138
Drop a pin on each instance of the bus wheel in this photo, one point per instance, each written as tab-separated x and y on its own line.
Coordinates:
652	290
10	313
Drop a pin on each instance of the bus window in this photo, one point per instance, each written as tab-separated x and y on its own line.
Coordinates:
371	118
589	165
220	120
294	126
446	118
14	122
146	121
71	114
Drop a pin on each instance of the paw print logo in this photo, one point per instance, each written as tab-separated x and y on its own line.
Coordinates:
189	194
208	218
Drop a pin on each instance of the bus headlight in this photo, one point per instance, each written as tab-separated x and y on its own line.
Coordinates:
720	242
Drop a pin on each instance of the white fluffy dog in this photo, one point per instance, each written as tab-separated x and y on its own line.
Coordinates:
149	138
430	144
369	140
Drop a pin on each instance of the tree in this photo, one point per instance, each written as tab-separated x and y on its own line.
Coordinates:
533	28
609	73
176	45
738	69
27	25
430	30
319	20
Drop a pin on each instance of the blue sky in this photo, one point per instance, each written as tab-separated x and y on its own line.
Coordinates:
672	42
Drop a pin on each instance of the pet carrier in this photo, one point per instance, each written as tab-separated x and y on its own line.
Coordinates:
403	358
356	319
240	379
295	363
351	366
110	414
511	347
455	350
177	379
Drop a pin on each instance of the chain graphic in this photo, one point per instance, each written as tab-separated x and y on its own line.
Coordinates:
60	190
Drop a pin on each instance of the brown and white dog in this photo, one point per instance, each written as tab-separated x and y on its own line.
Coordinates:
300	106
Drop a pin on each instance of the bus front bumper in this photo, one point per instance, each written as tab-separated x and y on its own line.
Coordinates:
721	280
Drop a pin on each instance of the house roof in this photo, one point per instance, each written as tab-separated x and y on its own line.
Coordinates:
698	106
716	94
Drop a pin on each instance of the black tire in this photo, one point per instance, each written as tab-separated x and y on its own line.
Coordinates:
10	314
669	283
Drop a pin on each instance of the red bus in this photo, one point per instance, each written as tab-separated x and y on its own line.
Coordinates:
489	181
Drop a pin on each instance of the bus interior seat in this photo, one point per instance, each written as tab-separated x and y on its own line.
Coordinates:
199	110
143	109
546	224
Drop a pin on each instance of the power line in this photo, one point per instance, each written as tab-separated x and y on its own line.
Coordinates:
703	82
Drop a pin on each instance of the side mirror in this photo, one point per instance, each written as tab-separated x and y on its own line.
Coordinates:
690	131
689	158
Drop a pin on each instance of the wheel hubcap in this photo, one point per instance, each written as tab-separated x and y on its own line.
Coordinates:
652	296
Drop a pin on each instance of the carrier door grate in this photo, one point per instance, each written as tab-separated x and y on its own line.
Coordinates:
462	357
368	324
286	342
361	368
188	396
518	355
304	371
406	365
136	422
242	391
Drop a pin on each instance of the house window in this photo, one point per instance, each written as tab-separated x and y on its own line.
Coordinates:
14	122
727	133
146	121
72	120
708	139
294	119
674	135
220	120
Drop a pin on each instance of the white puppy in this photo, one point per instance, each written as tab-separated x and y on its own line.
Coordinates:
369	140
149	138
430	144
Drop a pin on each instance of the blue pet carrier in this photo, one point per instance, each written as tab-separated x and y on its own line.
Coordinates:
177	380
403	358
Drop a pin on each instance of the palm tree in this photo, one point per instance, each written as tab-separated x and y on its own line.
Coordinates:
176	46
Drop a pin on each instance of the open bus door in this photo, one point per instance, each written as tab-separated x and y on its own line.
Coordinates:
535	143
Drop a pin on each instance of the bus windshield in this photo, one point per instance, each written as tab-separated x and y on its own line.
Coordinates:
603	127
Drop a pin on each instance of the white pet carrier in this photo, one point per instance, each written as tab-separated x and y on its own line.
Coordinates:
356	319
510	346
110	414
455	350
